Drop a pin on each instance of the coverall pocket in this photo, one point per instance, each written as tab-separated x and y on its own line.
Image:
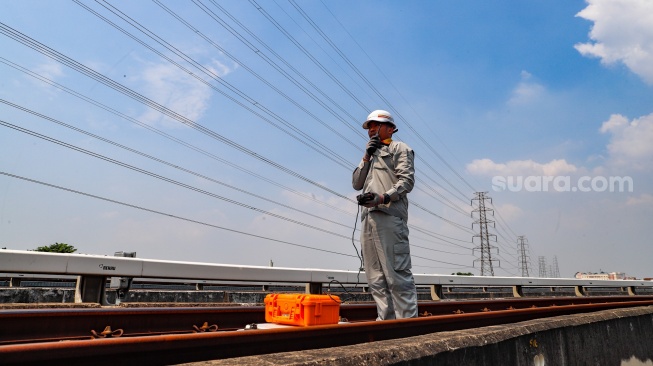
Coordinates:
402	256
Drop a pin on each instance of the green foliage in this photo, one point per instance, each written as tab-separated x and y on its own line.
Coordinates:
57	248
463	274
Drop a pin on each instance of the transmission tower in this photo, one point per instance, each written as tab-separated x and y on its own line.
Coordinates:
556	270
482	222
522	243
542	265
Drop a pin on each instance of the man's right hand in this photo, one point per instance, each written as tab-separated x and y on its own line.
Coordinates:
371	199
372	146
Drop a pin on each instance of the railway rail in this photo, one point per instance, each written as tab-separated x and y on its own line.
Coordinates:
161	336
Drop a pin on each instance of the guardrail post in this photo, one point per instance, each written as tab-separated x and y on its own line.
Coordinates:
436	292
632	290
580	291
14	282
122	285
199	287
517	291
91	289
314	288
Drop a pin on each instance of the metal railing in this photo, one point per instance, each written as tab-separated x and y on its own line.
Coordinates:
91	273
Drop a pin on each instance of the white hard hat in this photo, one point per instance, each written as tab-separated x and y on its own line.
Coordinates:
379	115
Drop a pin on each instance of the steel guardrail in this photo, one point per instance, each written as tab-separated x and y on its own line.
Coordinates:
99	266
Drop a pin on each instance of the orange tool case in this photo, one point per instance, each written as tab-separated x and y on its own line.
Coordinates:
302	309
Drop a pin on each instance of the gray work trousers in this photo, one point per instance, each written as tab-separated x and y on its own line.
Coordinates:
386	259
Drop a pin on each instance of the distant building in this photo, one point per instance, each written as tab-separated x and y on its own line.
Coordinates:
603	276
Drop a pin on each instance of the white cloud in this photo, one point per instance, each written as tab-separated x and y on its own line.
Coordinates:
526	91
629	147
487	167
630	143
616	122
50	69
509	212
622	32
176	90
644	199
220	69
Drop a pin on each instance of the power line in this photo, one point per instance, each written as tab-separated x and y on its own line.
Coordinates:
255	154
314	144
459	226
278	26
10	32
389	82
456	268
163	162
437	261
165	135
360	74
294	41
437	236
280	69
308	54
154	175
61	143
261	54
156	38
269	84
171	215
282	29
111	110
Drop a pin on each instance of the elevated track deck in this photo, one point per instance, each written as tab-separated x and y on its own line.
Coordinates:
161	336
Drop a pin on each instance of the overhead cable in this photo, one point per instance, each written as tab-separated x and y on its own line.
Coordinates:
166	135
165	179
12	33
168	163
360	74
172	216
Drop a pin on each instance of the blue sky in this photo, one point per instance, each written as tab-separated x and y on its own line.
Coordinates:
231	129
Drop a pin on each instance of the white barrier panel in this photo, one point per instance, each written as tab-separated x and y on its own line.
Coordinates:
14	261
447	280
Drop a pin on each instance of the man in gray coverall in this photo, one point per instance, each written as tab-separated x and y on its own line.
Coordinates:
386	175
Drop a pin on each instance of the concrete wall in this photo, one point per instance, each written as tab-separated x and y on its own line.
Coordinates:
605	338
